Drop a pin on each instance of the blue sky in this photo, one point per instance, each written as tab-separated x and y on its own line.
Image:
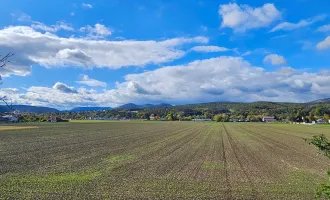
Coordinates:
107	53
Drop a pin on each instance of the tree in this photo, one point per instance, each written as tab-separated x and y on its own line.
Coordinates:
170	117
322	143
311	117
326	117
217	118
4	60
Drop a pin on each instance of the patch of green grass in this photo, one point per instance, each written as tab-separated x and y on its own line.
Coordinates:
57	178
91	121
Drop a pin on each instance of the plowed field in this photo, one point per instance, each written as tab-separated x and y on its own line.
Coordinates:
160	160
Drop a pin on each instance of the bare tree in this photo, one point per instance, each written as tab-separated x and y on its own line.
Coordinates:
4	60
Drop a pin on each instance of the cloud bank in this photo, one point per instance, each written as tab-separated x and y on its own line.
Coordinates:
217	79
50	50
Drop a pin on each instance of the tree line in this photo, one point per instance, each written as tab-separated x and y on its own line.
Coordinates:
220	112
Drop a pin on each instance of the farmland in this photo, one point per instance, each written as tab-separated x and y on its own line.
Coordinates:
164	160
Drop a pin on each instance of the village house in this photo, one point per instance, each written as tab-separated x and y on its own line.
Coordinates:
321	121
8	118
52	119
201	120
269	119
233	120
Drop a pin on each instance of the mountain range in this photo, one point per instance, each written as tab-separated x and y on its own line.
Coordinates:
79	109
134	106
25	108
39	109
327	100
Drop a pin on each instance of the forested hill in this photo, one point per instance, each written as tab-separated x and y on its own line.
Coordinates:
255	108
246	110
79	109
25	108
224	110
327	100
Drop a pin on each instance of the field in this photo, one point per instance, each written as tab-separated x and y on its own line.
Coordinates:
160	160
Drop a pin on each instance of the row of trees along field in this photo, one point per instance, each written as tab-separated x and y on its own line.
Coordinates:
220	112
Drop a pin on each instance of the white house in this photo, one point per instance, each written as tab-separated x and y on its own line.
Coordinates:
321	121
9	118
269	119
234	120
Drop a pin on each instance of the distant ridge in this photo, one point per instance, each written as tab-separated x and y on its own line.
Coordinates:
80	109
135	106
25	108
326	100
222	105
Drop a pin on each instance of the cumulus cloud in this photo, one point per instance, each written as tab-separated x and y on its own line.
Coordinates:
15	68
53	28
64	88
86	5
208	49
9	90
49	50
216	79
98	31
324	28
275	59
325	44
85	80
243	17
287	26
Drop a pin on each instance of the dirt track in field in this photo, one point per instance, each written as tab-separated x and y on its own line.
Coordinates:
166	160
3	128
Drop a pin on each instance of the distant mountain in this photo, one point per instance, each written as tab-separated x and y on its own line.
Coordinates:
78	109
163	105
128	106
327	100
134	106
4	109
24	108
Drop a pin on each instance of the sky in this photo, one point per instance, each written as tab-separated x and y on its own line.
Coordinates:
111	52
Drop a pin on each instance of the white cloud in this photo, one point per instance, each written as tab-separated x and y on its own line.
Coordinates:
325	44
49	50
275	59
16	68
207	49
216	79
247	53
72	13
287	26
64	88
9	90
325	28
243	17
179	41
53	28
85	80
98	31
86	5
